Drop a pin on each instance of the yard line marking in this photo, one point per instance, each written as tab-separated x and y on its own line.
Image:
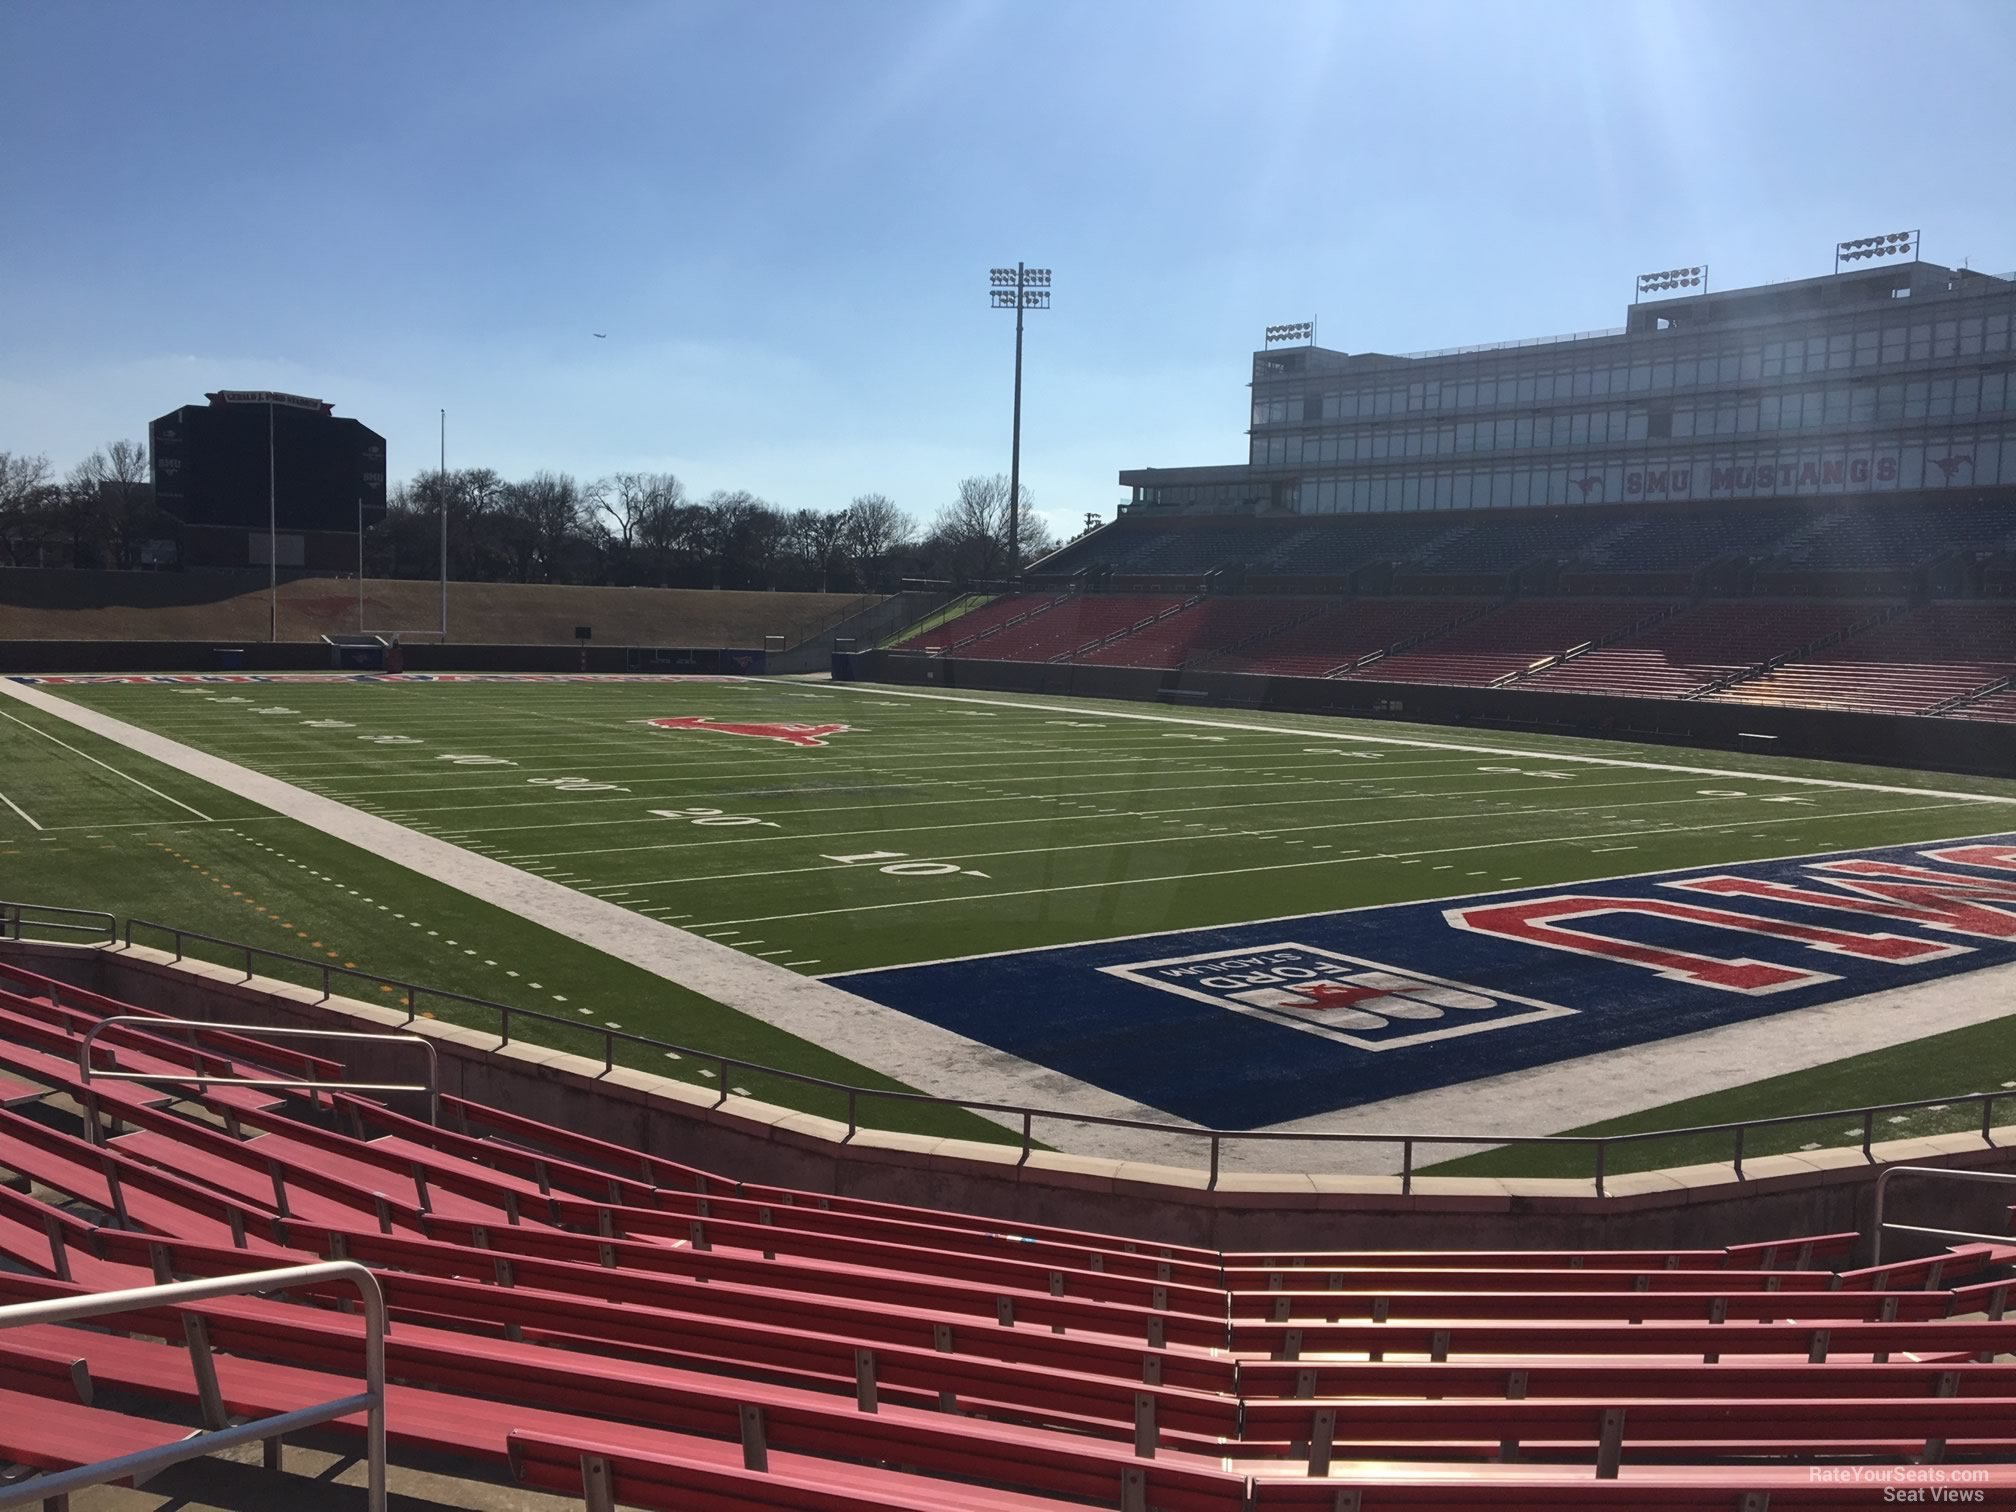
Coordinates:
22	812
896	810
107	765
1241	871
1244	834
1527	754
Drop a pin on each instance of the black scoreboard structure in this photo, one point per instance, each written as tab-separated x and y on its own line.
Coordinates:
258	477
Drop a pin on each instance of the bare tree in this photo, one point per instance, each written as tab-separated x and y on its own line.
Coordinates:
969	538
539	516
819	538
119	479
875	530
725	518
27	500
666	527
632	511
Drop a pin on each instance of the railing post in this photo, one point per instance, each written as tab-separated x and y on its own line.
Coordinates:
248	963
1602	1161
608	1051
1406	1167
1868	1134
1988	1120
1737	1160
853	1116
1028	1118
1212	1184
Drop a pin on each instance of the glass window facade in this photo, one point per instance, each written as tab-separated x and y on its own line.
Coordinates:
1876	397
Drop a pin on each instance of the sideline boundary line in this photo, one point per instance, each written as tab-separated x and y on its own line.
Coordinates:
1476	750
928	1058
105	764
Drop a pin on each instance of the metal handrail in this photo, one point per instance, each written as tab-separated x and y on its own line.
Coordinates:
15	917
1890	1173
1599	1146
202	1079
142	1463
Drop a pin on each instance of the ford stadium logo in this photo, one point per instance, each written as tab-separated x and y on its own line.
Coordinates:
1340	997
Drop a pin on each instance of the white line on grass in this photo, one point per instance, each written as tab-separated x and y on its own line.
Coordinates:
924	1055
1241	871
1476	750
26	817
606	888
107	765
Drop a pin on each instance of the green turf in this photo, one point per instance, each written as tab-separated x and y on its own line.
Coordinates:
943	615
224	867
936	828
1979	1058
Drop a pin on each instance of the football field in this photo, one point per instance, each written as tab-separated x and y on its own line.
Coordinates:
1237	918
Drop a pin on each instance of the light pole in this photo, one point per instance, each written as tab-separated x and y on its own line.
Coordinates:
444	526
272	532
1018	288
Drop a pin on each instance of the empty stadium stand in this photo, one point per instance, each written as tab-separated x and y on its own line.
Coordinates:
1708	643
1914	663
1061	629
1514	639
1801	542
584	1319
1200	630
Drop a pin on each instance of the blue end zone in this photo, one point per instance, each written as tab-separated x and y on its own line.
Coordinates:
1255	1024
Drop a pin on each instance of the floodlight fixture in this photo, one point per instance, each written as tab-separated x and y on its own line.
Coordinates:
1890	244
1668	279
1018	288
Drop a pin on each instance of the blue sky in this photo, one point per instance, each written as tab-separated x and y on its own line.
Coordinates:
783	211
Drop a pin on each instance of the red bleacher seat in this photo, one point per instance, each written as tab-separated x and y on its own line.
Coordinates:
1909	664
1511	640
568	1309
1701	645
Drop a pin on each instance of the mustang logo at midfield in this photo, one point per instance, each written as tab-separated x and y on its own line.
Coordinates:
790	733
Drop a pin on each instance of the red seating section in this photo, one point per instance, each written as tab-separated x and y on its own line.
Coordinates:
1355	628
1906	665
985	620
1205	627
1508	641
1712	640
1912	662
571	1313
1068	626
1997	708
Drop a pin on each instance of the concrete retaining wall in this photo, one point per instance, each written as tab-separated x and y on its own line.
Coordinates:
1819	1192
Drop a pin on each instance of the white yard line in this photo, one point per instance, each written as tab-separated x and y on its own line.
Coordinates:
1241	871
924	1056
1222	834
18	691
26	817
1527	754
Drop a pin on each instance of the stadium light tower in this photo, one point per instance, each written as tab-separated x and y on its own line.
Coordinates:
1894	244
1018	288
272	531
1672	278
444	527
